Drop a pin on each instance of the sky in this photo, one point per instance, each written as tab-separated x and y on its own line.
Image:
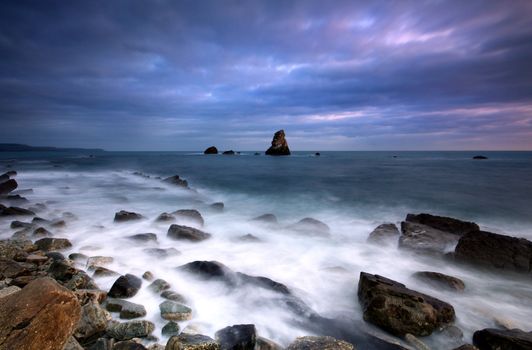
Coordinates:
335	75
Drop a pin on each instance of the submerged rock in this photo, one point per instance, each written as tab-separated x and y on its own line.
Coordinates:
266	218
127	309
165	217
181	232
279	145
190	214
319	343
237	337
14	211
176	180
384	233
497	251
125	286
186	341
218	206
393	307
174	296
496	339
211	150
123	216
440	280
42	316
159	285
311	226
162	252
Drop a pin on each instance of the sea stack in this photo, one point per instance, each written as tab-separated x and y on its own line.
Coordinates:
279	145
211	150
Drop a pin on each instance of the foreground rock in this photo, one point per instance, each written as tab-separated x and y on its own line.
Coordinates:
180	232
123	216
279	145
496	339
440	280
93	322
8	186
319	343
237	337
399	310
211	150
497	251
131	329
42	316
384	233
186	341
125	286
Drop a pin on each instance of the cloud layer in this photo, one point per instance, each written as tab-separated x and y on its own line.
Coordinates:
182	75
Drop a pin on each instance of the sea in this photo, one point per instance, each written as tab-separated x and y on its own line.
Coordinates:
352	192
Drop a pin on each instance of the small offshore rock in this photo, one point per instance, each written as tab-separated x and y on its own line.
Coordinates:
440	280
279	145
480	157
180	232
186	341
125	287
229	153
171	310
319	343
211	150
170	329
311	226
131	329
237	337
48	244
384	233
123	216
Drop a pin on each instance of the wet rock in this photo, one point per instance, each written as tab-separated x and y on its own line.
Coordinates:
174	296
8	186
159	285
480	157
416	342
399	310
319	343
72	344
218	206
311	226
125	287
130	330
99	260
42	316
36	259
440	280
266	344
176	180
42	232
148	276
99	271
20	224
48	244
4	292
127	309
180	232
93	322
423	238
144	237
384	233
279	145
14	211
190	215
207	269
123	216
102	344
90	295
165	217
466	347
496	251
171	310
237	337
128	345
55	256
266	218
170	329
13	269
80	280
191	342
211	150
496	339
16	249
78	257
162	252
442	223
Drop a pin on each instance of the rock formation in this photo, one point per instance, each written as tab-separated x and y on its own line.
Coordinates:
211	150
279	145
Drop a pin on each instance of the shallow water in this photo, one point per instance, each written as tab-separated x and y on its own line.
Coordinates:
350	191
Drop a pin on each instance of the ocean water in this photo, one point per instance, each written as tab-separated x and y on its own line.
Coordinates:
352	192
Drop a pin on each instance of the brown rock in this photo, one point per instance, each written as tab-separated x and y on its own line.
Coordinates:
440	280
211	150
279	145
42	316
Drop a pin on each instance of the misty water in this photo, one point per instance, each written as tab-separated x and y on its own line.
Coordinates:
352	192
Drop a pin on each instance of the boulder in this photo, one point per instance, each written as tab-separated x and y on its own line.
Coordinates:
170	329
123	216
93	322
384	233
266	218
311	226
165	217
440	280
159	285
171	310
211	150
99	260
21	224
130	330
55	256
423	238
181	232
42	316
190	215
319	343
496	251
13	269
442	223
8	186
393	307
99	271
237	337
186	341
125	286
176	180
496	339
49	244
279	145
127	309
42	232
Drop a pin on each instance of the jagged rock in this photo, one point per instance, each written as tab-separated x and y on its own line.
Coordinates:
171	310
123	216
87	295
311	226
42	316
125	286
384	233
442	223
211	150
93	322
159	285
131	329
190	215
399	310
165	217
48	244
191	342
266	218
176	180
423	238
8	186
237	337
170	329
319	343
144	237
279	145
440	280
162	252
181	232
497	251
496	339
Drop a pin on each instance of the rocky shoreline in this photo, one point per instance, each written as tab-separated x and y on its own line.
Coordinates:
52	301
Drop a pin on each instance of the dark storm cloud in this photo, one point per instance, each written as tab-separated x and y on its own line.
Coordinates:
336	75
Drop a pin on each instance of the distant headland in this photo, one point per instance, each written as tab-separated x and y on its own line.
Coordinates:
16	147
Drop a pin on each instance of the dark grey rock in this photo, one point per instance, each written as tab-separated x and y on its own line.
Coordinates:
180	232
266	218
123	216
125	287
176	180
127	309
218	206
170	329
423	238
165	217
159	285
237	337
144	237
384	233
211	150
443	223
189	214
496	339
